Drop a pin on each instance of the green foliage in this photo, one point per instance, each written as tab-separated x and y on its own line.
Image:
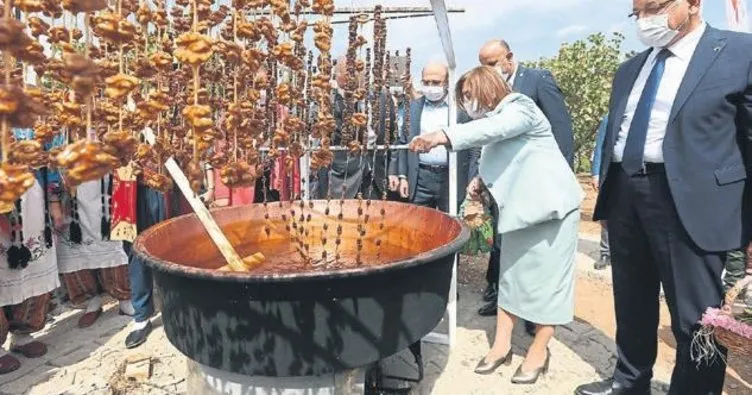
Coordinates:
584	71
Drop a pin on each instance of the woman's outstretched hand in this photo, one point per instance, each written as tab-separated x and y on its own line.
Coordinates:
426	142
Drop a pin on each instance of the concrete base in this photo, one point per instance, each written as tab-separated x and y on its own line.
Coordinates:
204	380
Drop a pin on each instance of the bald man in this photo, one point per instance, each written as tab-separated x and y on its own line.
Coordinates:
346	178
424	178
540	86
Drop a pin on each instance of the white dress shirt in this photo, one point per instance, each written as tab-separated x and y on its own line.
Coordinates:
435	117
673	74
512	76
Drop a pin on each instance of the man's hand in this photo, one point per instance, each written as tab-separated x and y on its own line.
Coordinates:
56	215
394	183
426	142
404	189
595	182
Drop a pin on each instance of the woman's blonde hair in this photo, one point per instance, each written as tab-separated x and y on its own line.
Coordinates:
484	84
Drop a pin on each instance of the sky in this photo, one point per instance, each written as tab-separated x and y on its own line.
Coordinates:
533	28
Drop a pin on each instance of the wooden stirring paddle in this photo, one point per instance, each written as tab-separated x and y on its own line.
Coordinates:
235	263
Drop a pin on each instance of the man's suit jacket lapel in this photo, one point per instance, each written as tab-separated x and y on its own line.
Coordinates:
710	46
520	80
415	118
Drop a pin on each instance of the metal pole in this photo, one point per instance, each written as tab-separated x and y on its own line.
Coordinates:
445	34
408	16
305	176
369	10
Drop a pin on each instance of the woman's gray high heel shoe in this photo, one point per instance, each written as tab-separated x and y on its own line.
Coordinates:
484	367
532	377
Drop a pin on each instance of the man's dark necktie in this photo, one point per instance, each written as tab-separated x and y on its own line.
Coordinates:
632	160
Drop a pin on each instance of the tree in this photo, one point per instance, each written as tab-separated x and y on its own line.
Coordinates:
584	71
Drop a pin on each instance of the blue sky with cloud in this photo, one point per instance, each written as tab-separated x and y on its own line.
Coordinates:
534	28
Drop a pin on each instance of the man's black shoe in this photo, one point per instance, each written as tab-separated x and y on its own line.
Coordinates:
491	293
489	309
138	337
603	263
608	387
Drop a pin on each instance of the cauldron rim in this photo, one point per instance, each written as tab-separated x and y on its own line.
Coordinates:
215	275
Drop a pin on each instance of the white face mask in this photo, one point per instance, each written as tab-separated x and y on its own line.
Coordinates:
434	93
654	30
473	109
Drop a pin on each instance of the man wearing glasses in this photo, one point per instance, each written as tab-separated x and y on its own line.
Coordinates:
673	178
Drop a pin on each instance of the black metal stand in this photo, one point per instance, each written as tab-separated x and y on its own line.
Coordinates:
375	376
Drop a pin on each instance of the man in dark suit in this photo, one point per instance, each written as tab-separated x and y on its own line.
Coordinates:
540	86
673	180
425	177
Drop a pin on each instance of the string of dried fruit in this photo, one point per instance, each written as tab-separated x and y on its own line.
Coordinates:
238	172
300	125
363	97
387	151
194	49
379	36
15	179
28	152
150	67
322	89
288	95
407	87
323	120
353	118
387	126
348	125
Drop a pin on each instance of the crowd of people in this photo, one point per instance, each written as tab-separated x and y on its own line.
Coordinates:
670	165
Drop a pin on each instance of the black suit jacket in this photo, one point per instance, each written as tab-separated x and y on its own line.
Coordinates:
707	139
540	86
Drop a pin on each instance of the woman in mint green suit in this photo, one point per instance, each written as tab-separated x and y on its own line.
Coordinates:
538	199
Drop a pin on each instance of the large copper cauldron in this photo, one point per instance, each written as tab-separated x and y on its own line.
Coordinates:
291	318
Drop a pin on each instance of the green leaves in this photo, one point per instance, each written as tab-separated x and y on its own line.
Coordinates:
584	71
